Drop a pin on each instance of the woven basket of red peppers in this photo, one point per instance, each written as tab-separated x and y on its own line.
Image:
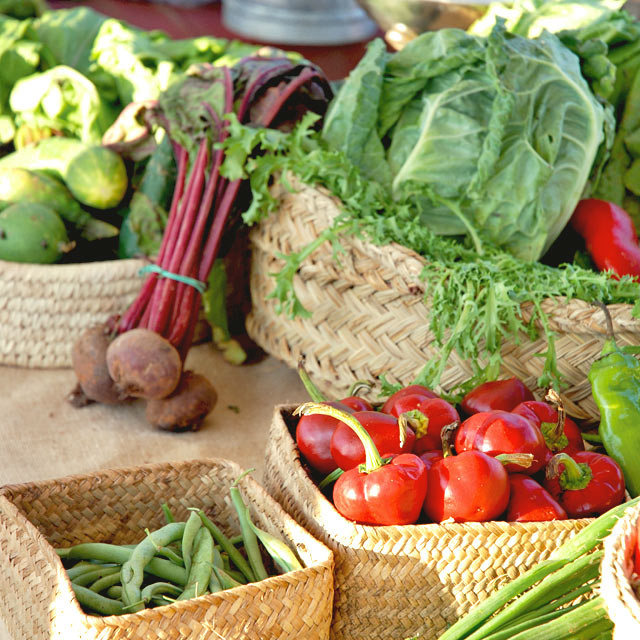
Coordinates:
430	506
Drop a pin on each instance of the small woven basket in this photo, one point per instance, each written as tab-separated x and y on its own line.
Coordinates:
368	315
396	582
616	587
115	506
43	308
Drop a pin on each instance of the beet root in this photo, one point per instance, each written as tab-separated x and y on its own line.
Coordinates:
186	407
88	357
143	364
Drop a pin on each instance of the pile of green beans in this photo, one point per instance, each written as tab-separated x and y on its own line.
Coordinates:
178	561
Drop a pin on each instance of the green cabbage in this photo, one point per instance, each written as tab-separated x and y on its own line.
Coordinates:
493	137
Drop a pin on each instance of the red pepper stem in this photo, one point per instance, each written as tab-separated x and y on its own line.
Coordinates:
521	459
314	393
446	435
358	386
574	476
558	430
416	420
373	459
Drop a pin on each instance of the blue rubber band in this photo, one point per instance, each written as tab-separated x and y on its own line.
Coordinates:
198	285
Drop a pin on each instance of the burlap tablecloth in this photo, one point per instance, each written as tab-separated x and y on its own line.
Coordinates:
43	436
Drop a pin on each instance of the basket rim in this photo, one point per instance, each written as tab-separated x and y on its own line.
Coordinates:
98	265
411	530
272	508
555	307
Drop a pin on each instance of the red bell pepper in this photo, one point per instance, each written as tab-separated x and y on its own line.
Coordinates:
416	390
585	484
609	235
386	432
427	418
313	437
529	501
501	395
496	432
387	490
560	432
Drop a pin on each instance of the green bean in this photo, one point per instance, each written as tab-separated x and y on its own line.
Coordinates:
202	562
214	583
105	582
190	530
279	551
235	540
96	602
249	536
167	513
141	556
84	567
114	592
119	554
511	630
159	588
225	580
89	577
63	552
236	557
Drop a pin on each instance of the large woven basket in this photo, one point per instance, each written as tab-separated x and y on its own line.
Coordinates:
36	598
617	590
396	582
368	315
43	308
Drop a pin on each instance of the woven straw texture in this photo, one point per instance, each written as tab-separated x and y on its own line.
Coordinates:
394	582
44	307
368	315
617	568
115	506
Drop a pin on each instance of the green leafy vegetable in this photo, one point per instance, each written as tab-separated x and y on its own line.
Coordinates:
493	138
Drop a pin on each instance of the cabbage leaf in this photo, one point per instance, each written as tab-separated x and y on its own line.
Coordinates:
493	137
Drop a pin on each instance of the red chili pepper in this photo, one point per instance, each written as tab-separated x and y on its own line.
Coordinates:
609	235
427	419
560	432
586	484
496	432
529	501
502	395
417	390
382	491
387	434
313	437
468	487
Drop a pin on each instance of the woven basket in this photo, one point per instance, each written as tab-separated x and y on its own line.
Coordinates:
37	601
43	308
368	315
617	567
394	582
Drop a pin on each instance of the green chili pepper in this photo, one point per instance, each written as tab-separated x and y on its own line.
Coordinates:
615	386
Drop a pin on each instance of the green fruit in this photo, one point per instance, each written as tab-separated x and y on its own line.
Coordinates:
97	177
31	232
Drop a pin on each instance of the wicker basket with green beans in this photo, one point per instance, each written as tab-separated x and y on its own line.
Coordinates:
177	561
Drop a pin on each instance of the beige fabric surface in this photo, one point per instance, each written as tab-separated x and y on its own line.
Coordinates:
43	436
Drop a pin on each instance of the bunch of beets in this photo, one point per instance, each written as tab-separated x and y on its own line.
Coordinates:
497	455
142	353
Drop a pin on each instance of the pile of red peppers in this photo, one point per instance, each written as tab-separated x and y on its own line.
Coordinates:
499	454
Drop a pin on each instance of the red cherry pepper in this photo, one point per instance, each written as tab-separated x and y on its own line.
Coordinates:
313	437
417	390
468	487
529	501
609	235
496	432
430	457
501	395
387	434
585	484
427	419
382	491
560	432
